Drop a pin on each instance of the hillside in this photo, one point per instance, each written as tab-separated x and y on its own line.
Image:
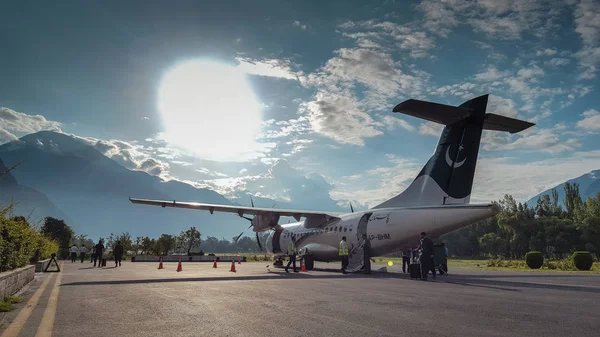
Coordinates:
29	202
589	186
93	190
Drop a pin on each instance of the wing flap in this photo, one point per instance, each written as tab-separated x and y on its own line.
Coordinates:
239	210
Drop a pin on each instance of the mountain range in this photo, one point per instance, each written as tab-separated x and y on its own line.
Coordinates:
589	186
75	182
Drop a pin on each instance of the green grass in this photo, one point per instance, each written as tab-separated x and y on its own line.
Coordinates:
13	299
517	265
6	306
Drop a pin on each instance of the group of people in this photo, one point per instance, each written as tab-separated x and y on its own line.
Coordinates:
424	253
98	253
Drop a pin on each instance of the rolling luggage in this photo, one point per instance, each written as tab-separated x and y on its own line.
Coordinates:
415	270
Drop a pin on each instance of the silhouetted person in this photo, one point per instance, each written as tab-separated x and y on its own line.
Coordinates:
367	254
291	251
426	248
99	253
406	259
118	251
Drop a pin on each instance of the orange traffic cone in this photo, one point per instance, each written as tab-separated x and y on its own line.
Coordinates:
232	266
160	265
215	263
179	267
303	266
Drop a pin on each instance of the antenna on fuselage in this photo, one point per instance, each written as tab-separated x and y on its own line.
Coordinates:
351	208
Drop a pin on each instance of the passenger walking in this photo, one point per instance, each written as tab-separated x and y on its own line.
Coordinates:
99	252
367	254
82	252
426	249
291	251
118	252
406	258
343	251
93	254
74	251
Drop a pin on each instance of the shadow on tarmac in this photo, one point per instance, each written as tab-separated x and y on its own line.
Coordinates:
482	281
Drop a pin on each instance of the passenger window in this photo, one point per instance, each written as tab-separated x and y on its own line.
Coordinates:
345	229
335	229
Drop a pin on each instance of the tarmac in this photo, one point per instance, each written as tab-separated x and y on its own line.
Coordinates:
137	299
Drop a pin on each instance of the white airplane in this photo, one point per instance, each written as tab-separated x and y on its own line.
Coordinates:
436	202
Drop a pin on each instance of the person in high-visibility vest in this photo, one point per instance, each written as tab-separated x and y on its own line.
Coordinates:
291	251
344	252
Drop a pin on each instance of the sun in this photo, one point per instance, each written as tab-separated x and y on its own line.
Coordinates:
209	109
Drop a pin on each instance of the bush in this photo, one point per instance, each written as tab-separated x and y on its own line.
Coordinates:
583	260
20	244
534	260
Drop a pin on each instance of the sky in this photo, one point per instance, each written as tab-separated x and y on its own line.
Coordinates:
293	100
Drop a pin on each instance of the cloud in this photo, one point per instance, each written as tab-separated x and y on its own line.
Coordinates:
591	122
131	156
393	36
530	73
353	82
385	181
13	121
6	136
339	117
546	52
431	129
491	74
540	140
506	20
393	122
267	67
501	106
523	180
299	25
587	24
558	61
281	183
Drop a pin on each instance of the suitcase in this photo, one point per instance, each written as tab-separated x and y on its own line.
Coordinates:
415	270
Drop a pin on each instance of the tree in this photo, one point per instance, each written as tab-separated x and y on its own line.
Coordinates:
58	230
573	201
165	244
191	238
125	239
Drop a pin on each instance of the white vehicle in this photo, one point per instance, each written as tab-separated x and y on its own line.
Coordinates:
436	202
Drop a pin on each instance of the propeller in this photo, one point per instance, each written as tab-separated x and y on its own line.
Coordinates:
250	219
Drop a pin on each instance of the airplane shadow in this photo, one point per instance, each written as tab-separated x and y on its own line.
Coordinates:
481	281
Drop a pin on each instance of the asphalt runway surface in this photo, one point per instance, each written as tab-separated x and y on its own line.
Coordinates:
137	299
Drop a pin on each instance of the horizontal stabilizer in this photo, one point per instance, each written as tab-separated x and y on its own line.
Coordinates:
434	112
448	115
500	123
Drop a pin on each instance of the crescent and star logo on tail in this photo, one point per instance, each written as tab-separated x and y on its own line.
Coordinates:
449	160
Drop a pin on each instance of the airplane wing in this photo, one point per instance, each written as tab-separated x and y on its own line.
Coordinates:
240	210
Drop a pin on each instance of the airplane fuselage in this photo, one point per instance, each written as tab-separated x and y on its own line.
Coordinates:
389	229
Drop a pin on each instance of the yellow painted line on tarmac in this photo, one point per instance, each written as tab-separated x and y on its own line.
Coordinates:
47	324
17	325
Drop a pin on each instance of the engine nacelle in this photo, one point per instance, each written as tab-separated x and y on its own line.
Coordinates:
263	222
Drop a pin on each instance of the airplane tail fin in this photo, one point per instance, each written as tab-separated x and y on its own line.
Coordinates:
447	178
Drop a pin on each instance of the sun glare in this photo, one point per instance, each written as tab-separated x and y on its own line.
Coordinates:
209	109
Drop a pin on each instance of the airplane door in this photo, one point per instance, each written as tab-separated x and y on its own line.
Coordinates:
361	229
276	242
